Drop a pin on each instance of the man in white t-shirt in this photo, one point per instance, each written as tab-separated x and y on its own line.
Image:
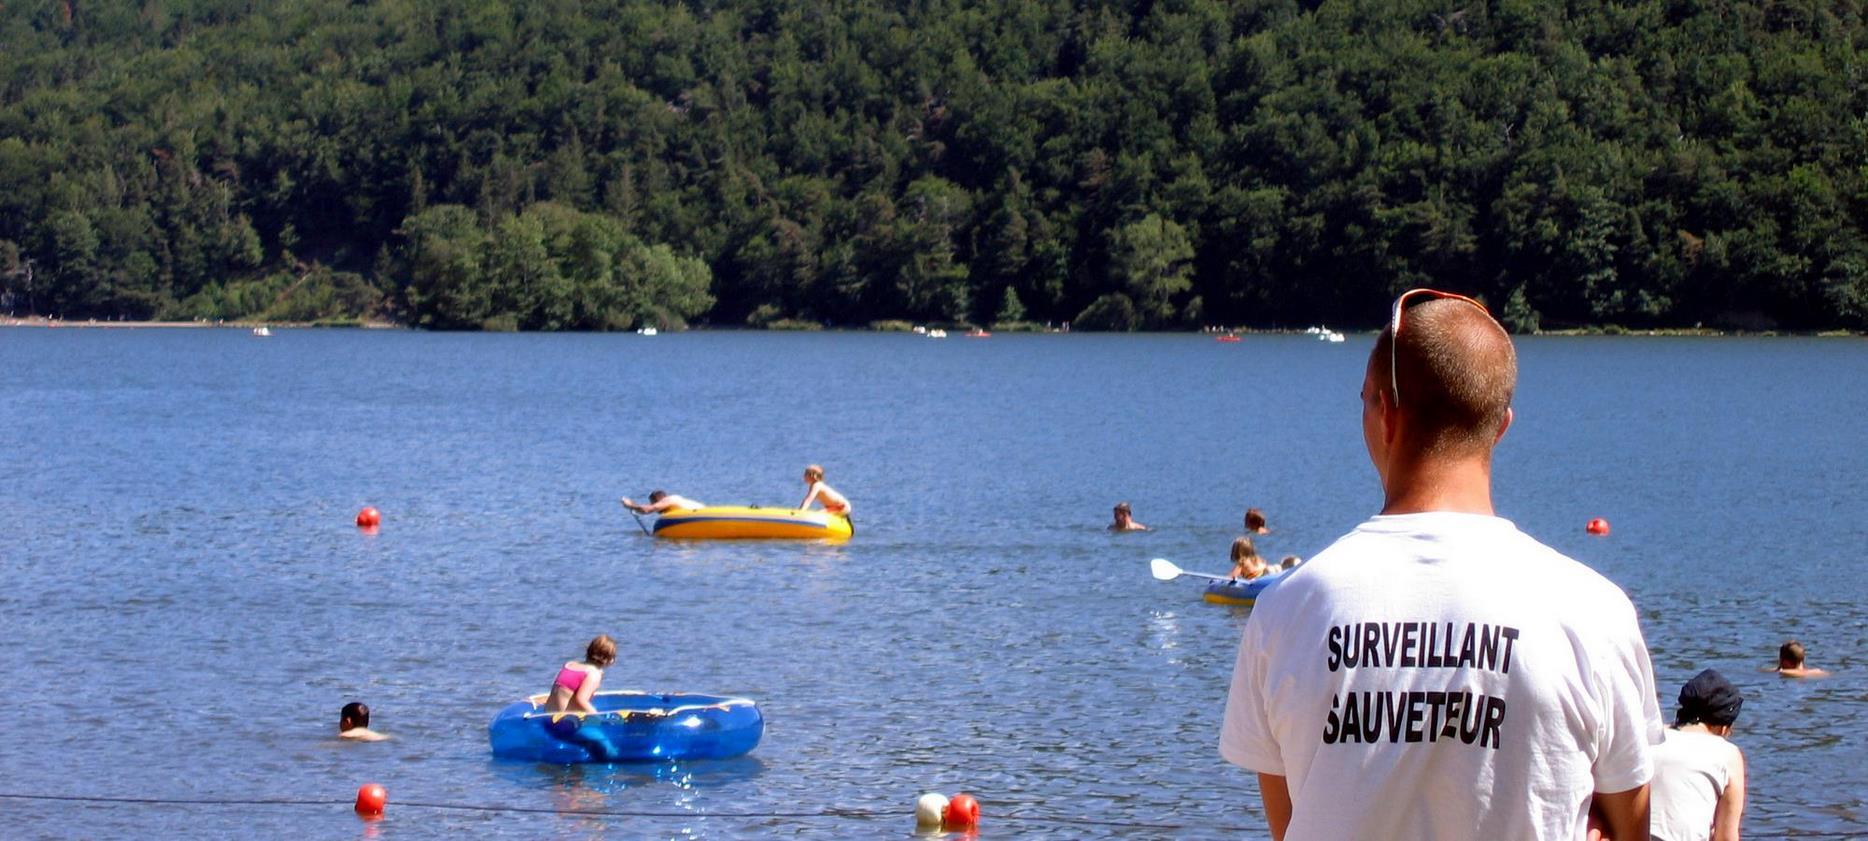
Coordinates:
1436	673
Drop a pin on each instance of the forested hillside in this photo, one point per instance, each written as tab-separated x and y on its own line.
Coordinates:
603	164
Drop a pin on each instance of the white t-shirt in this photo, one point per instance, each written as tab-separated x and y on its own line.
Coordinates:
1442	675
1691	769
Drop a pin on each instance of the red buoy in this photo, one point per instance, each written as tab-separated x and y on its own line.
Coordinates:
371	799
962	813
1598	526
369	518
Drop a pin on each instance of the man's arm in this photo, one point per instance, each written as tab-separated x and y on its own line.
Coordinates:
1277	797
1624	814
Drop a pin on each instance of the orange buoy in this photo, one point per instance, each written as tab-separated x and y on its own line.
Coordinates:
369	518
1598	526
962	813
371	799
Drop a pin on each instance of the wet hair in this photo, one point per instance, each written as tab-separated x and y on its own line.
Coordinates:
1456	371
1254	519
657	495
1290	562
1242	548
815	473
601	652
1123	508
1790	654
355	713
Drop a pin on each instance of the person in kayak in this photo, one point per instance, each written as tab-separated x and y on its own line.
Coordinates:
819	492
661	501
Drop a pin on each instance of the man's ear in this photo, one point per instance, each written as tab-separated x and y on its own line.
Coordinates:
1506	424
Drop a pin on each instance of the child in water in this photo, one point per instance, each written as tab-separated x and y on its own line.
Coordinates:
353	722
577	681
1246	562
1790	662
1125	519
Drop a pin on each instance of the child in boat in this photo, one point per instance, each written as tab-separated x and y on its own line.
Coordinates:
832	501
660	501
1125	519
353	722
577	681
1790	662
1246	562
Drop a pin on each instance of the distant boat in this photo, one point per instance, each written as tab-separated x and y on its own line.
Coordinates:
648	331
977	333
937	333
921	330
1328	335
1229	338
262	332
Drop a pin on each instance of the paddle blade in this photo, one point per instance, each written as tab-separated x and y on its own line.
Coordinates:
1163	569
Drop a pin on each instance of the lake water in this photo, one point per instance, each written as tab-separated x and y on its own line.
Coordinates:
188	603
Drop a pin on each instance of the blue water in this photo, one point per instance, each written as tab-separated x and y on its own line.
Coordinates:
188	602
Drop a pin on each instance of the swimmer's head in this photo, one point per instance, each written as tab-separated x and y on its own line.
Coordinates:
657	495
601	652
1254	520
1708	699
1122	511
1790	655
814	473
1242	548
353	716
1290	562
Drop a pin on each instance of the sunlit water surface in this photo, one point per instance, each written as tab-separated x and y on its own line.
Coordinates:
187	603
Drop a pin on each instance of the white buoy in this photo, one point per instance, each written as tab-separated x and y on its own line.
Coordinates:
929	809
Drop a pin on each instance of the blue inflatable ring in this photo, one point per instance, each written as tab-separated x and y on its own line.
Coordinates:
628	726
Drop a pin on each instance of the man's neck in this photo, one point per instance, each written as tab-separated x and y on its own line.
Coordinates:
1461	486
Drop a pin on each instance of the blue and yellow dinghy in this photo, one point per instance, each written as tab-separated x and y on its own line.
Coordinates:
628	726
750	522
1239	591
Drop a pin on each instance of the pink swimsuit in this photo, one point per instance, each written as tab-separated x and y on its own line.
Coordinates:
570	678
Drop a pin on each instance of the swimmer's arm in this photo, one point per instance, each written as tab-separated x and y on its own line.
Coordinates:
1277	796
1731	808
1624	814
816	489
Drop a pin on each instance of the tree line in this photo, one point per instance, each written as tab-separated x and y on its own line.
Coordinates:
608	164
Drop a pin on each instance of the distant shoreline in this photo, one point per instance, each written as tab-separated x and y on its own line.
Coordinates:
1607	330
95	324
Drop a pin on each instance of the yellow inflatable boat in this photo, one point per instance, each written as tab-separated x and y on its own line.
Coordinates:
750	522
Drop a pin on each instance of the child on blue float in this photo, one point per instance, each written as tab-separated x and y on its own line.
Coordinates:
577	681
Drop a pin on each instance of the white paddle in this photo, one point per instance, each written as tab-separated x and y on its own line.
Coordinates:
1165	570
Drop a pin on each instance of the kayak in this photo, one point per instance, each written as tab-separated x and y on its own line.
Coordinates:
750	522
629	726
1239	591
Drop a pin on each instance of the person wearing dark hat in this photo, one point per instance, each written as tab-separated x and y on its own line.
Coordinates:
1699	777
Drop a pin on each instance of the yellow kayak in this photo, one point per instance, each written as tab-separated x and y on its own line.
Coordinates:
750	522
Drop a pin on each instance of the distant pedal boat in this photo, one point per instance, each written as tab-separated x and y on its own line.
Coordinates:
750	522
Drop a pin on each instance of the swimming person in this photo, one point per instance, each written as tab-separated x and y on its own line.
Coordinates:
1246	563
577	681
1699	777
660	501
1125	519
1436	673
1790	662
353	722
1255	522
832	501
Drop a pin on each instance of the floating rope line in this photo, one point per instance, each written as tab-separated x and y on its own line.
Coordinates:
832	812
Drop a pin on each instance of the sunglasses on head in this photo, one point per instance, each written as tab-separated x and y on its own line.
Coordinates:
1394	329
